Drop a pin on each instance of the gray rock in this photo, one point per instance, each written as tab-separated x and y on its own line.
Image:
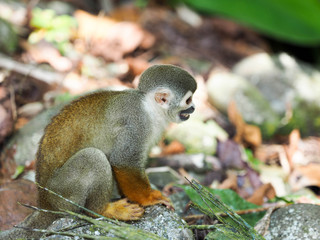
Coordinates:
277	93
295	222
157	219
161	176
165	223
26	140
225	87
291	87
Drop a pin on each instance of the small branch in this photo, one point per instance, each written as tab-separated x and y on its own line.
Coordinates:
49	77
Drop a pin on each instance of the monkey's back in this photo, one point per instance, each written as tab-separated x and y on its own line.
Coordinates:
73	129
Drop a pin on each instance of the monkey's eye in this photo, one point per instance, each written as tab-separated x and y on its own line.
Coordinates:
189	100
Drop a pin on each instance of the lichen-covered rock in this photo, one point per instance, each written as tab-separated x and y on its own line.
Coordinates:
297	221
157	219
164	223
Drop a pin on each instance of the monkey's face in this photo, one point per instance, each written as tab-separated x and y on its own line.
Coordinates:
176	108
186	107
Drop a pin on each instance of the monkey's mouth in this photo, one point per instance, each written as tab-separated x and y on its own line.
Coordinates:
185	114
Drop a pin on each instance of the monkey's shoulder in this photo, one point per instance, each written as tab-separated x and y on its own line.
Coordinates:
100	101
106	97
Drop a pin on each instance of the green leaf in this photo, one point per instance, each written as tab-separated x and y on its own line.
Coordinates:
230	198
64	21
18	172
55	29
42	18
294	21
253	162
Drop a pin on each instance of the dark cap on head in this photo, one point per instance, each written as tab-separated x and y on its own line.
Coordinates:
168	76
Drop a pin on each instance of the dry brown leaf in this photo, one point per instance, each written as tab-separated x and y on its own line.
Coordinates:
137	65
302	151
230	183
44	52
264	191
304	176
174	147
111	39
245	134
294	139
273	155
126	12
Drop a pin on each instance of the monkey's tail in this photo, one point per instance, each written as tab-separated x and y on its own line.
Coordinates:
38	220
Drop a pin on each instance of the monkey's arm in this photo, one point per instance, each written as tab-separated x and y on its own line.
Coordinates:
134	184
127	160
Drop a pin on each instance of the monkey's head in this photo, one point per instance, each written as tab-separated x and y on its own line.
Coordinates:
171	88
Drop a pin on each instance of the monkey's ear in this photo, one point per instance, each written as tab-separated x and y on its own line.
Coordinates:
163	97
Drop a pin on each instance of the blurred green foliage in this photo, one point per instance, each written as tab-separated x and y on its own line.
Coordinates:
8	37
51	27
255	163
293	21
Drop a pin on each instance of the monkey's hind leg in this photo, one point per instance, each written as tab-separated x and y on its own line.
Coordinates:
86	179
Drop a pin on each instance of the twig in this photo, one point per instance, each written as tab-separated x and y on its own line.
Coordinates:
49	77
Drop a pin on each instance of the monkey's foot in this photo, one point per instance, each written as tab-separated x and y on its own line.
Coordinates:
123	210
155	197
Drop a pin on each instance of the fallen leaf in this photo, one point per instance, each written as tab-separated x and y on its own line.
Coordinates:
127	12
265	191
111	39
273	154
230	183
229	154
45	52
302	151
305	176
136	67
174	147
246	134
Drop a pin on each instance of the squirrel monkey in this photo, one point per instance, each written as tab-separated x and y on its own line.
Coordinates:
104	137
